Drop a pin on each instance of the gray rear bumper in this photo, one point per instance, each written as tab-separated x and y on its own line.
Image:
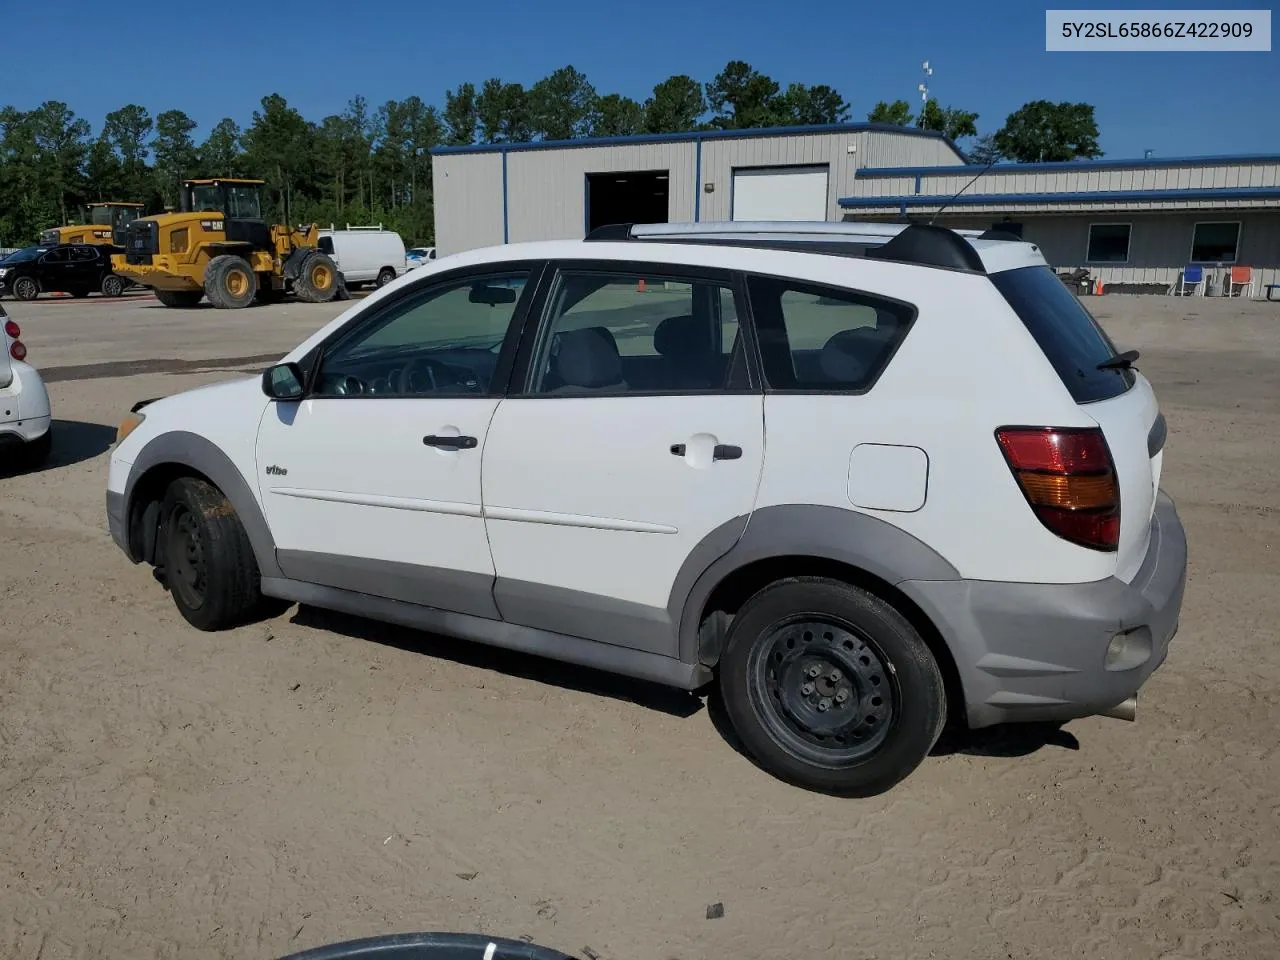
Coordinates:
1037	651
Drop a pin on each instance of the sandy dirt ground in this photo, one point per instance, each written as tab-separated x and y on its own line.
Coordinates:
166	793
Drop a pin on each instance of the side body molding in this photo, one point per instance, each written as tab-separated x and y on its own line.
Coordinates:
797	530
194	451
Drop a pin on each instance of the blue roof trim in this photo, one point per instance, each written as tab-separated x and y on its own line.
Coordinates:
693	135
1071	165
995	199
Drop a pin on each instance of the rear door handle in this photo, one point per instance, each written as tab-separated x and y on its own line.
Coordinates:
726	451
450	443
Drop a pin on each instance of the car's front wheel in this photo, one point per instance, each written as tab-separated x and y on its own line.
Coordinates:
386	276
830	687
25	288
207	561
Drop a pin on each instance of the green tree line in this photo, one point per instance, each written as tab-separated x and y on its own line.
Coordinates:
371	164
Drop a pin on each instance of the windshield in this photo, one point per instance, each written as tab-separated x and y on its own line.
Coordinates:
238	201
112	216
26	253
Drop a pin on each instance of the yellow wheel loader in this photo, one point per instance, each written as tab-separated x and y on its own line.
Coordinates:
219	246
105	223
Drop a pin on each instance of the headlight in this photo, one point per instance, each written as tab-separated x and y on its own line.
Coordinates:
3	271
129	424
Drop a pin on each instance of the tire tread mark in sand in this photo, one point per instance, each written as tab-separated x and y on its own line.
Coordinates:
130	368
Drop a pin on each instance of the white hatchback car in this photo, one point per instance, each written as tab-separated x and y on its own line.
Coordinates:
26	422
864	477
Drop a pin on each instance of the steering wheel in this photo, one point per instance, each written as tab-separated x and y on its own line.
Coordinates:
422	375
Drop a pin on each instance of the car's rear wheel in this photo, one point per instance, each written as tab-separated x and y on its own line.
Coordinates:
207	561
25	288
830	687
112	285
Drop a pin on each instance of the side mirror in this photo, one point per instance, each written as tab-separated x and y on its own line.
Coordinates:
284	381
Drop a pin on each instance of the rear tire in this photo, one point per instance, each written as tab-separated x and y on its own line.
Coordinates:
208	563
386	276
180	298
25	288
112	285
831	688
317	279
229	282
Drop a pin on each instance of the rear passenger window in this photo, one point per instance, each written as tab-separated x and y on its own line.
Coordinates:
623	333
824	339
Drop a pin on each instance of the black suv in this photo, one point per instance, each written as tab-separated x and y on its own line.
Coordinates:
75	268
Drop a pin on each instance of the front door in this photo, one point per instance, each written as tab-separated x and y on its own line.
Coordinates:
636	436
372	482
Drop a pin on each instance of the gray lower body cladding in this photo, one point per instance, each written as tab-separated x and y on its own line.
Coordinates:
1039	651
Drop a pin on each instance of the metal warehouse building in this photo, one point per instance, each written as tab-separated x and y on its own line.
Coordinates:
1134	224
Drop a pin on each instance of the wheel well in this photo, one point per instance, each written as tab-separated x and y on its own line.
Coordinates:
738	587
144	504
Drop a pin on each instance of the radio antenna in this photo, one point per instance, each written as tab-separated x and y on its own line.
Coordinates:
952	199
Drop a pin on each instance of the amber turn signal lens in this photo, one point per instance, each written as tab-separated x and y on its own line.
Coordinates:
1097	492
128	425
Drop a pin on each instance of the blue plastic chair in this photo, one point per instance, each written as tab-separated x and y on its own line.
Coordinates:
1192	277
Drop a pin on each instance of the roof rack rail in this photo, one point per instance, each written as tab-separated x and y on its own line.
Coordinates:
917	243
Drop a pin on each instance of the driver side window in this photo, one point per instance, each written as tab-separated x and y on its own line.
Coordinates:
443	341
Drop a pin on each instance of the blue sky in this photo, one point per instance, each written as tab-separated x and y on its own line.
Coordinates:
987	56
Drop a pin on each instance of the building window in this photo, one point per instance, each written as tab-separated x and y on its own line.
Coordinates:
1215	242
1108	243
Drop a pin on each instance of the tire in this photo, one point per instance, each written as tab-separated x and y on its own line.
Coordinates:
385	276
25	288
869	716
230	283
207	564
317	278
180	298
112	285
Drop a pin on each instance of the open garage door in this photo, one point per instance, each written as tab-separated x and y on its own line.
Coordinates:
780	193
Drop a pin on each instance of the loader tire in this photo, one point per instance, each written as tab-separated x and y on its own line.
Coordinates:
229	282
179	298
317	279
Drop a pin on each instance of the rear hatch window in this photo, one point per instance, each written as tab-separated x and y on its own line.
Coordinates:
1069	336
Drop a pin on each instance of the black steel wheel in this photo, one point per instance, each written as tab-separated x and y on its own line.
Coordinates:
830	687
823	687
206	559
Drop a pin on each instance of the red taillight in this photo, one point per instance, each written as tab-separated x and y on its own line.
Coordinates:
1067	476
12	329
18	350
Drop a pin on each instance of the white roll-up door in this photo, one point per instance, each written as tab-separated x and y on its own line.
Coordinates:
780	193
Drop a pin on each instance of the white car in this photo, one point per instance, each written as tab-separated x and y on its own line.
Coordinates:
26	422
419	256
863	477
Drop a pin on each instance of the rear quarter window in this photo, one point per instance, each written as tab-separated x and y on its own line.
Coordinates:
820	339
1067	333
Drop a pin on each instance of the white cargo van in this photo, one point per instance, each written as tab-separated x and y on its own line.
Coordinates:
365	254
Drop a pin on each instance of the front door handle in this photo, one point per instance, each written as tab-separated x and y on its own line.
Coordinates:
450	443
725	451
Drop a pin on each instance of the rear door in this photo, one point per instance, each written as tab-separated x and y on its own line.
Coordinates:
635	432
85	267
1119	400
